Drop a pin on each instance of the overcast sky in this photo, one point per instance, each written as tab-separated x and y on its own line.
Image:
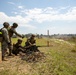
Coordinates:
38	16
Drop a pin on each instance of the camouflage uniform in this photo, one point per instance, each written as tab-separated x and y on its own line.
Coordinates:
30	41
31	44
17	47
12	31
5	43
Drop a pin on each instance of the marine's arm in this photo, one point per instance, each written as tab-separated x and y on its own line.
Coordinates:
14	31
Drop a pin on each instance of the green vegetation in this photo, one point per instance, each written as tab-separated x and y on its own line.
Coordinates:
39	42
14	40
60	59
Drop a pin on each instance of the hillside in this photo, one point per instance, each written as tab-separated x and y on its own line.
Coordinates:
60	59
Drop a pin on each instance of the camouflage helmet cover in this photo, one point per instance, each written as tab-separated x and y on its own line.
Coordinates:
6	24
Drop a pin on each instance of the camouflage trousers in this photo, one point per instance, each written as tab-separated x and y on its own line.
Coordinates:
4	47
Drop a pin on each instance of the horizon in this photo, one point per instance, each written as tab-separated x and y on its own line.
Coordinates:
38	16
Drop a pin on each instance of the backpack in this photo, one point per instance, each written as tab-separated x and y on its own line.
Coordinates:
1	35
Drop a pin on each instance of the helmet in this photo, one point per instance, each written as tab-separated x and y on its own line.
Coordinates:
15	24
33	35
19	39
5	24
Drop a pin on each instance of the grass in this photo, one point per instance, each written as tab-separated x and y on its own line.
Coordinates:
59	60
39	42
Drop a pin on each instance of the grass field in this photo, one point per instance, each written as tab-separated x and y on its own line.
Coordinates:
39	42
60	59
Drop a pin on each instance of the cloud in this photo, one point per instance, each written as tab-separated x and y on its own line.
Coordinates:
20	7
38	15
28	26
50	14
15	13
18	18
22	21
11	3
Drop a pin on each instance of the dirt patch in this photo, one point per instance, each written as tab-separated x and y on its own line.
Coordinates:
14	64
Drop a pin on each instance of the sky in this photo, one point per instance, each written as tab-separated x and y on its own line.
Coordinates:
38	16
